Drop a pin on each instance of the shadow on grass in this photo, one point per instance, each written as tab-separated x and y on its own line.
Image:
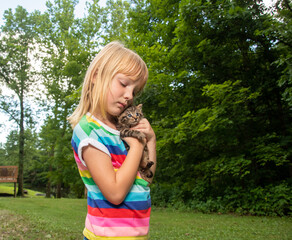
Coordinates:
6	195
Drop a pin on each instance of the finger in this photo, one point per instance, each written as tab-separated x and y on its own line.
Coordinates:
140	126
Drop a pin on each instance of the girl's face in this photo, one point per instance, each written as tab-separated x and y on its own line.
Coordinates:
121	93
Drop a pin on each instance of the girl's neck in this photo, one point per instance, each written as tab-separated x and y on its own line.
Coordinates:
110	121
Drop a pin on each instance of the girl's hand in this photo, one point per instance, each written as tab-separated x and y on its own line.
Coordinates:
145	127
133	142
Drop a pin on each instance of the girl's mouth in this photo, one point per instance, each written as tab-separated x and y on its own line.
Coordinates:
122	105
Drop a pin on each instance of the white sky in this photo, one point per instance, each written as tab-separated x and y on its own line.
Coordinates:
30	6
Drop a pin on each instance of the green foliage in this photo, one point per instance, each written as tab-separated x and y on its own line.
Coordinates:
218	97
272	200
268	149
214	101
66	43
283	32
16	45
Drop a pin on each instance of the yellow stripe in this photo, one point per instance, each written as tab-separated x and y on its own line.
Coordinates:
85	173
91	236
137	177
89	119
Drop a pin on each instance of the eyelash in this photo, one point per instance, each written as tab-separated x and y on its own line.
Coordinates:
124	85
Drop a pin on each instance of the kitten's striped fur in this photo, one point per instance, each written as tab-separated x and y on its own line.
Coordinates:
129	118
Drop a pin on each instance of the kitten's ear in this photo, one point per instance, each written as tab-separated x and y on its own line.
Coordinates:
139	106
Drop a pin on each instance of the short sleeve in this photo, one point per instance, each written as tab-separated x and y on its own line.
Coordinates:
83	138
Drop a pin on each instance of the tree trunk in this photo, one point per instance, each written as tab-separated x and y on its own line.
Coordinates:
59	190
21	147
48	186
48	189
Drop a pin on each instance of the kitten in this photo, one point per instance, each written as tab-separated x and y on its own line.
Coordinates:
129	118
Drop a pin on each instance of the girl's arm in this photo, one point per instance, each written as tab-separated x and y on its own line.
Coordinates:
114	185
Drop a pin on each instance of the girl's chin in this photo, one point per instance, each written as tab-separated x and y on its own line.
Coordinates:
115	113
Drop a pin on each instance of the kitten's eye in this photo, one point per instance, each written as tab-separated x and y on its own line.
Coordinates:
137	114
129	115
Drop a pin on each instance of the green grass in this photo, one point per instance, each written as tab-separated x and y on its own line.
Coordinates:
41	218
168	224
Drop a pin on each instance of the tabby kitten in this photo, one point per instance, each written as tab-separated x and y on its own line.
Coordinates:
128	119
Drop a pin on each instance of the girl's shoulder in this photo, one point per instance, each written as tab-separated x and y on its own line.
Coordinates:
89	124
91	131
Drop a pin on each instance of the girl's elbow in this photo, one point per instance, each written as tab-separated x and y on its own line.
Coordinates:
116	199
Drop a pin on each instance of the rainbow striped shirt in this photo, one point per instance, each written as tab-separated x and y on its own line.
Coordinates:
104	220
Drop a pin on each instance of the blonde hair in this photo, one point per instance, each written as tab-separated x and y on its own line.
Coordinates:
114	58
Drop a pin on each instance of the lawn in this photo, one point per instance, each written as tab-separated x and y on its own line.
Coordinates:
40	218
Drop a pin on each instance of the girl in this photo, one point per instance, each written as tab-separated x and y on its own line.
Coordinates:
118	198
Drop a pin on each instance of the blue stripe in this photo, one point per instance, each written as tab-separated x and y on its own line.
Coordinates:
137	196
134	188
96	196
114	139
136	205
114	144
116	150
79	131
119	143
74	146
131	197
92	188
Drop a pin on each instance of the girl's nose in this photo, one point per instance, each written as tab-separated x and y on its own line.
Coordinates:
128	95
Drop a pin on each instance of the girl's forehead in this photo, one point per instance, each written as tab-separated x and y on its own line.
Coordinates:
123	76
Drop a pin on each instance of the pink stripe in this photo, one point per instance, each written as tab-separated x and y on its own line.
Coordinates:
79	163
116	231
118	222
76	157
116	164
81	166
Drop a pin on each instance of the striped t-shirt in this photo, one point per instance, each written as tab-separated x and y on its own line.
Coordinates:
104	220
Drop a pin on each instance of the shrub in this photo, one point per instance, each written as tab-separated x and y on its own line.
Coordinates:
271	200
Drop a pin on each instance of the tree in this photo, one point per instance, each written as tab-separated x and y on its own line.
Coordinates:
17	44
67	45
115	21
213	98
282	31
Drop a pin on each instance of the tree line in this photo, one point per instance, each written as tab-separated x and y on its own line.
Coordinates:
219	96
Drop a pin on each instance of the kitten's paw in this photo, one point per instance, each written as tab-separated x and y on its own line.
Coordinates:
149	174
149	164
